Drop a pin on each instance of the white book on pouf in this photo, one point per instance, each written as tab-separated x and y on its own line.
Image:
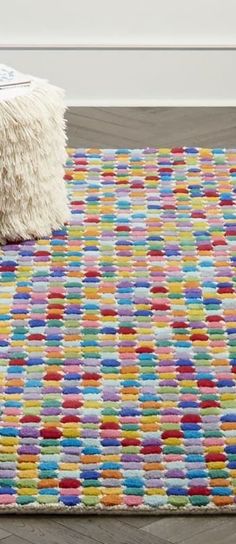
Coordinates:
14	83
9	77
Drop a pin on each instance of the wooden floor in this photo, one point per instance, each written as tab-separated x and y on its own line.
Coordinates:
158	127
117	530
134	127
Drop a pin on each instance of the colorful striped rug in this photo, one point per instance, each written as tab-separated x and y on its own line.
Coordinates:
118	341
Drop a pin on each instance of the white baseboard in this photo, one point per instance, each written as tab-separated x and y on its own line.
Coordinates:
143	77
77	103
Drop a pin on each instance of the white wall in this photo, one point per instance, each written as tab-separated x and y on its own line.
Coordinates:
120	77
142	21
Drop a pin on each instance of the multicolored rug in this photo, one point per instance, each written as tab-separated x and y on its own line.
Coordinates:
118	341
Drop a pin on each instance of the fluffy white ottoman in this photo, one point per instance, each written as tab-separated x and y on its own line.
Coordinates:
32	152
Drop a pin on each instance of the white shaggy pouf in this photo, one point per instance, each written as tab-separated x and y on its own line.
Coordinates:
32	153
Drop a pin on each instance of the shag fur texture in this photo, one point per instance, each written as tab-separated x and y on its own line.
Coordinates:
32	153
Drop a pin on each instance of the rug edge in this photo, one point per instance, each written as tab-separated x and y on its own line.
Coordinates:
78	510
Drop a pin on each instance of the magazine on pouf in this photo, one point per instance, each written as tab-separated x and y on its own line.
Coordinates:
9	77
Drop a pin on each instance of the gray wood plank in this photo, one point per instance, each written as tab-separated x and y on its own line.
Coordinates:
141	127
13	539
44	530
139	521
184	528
117	116
98	137
3	533
107	529
223	532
